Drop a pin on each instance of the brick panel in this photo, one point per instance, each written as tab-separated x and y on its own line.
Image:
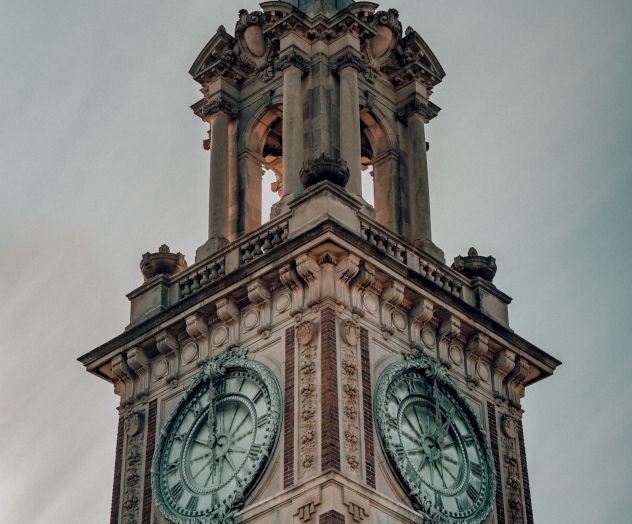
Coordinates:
330	458
288	434
493	437
367	404
118	463
149	457
332	517
525	475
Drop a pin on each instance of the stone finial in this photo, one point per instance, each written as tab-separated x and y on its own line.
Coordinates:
162	263
474	265
325	168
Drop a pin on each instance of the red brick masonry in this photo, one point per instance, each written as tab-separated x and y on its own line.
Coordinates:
525	476
118	462
288	435
332	517
367	404
493	435
330	459
149	457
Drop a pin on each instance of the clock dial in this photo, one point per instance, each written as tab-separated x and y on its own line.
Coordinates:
434	442
217	442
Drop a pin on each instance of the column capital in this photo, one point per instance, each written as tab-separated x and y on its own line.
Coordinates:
293	59
221	104
417	106
350	59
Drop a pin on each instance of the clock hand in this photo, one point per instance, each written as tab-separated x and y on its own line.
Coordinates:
212	423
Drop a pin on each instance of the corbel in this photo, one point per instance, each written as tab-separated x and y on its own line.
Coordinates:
309	271
260	296
346	270
290	279
514	381
365	279
392	296
477	347
449	331
420	315
125	376
167	344
139	362
357	507
306	508
228	312
504	363
196	326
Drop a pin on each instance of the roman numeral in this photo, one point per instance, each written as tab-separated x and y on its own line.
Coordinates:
472	493
177	491
399	450
460	504
173	467
476	468
468	440
412	387
438	501
262	420
221	388
254	452
257	396
192	505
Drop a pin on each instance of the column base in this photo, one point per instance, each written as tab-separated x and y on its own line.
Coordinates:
428	247
212	246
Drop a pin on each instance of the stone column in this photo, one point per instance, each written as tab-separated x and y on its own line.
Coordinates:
350	140
292	129
418	185
416	114
220	113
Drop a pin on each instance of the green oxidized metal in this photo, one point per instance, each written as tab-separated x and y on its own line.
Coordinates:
216	444
434	442
313	7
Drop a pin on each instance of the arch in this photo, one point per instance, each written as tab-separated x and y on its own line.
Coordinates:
379	146
260	148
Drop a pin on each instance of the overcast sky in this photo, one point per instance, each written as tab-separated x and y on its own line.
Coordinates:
101	159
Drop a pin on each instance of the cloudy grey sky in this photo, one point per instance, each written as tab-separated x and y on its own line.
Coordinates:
101	160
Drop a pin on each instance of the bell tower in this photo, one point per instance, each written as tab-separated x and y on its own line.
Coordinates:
326	366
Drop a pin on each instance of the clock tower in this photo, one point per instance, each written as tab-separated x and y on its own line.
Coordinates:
326	366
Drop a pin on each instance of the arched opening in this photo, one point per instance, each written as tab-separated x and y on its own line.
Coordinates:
368	182
272	166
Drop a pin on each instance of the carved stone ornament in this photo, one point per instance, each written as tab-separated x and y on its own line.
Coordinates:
426	109
162	263
134	457
292	59
221	105
350	59
255	48
434	442
388	30
228	385
475	266
512	468
350	333
325	168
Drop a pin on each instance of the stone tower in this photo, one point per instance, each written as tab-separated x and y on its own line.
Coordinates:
326	366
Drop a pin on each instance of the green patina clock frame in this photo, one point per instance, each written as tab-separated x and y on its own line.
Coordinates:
214	371
435	374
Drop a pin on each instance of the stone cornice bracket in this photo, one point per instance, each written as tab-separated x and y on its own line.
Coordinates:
221	104
504	363
514	382
167	344
476	348
346	270
449	333
426	109
290	279
196	326
420	315
392	297
137	360
354	61
259	295
309	270
365	279
293	58
124	387
228	312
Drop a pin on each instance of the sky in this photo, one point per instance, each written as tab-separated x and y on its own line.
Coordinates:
101	160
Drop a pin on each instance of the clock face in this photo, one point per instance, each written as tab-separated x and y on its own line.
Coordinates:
434	442
218	440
